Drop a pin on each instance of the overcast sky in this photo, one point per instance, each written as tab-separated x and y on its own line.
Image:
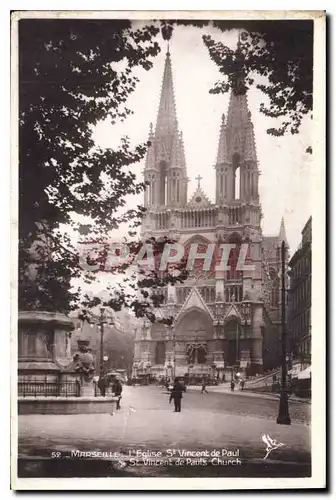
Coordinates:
284	184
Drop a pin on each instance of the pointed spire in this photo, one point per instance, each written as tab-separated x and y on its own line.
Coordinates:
167	156
240	133
282	233
167	121
222	155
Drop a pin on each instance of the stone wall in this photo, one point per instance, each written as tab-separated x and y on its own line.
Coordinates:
66	406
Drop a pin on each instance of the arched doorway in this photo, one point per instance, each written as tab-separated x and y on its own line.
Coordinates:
192	333
195	323
232	341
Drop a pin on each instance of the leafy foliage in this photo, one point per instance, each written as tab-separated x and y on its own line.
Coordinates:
73	73
280	50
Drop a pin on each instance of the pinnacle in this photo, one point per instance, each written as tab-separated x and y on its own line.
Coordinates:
222	155
282	233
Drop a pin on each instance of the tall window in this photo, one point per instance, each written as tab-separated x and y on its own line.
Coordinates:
236	174
233	273
201	356
237	183
160	353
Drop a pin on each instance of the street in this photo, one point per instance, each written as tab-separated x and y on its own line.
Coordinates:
216	422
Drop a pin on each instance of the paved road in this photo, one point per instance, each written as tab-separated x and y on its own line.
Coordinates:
238	403
207	422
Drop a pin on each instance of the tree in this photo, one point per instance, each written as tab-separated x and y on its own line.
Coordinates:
281	51
73	73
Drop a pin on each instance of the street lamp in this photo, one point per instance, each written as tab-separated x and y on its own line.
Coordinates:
246	307
246	313
283	416
100	321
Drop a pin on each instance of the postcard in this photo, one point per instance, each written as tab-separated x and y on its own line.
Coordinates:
168	193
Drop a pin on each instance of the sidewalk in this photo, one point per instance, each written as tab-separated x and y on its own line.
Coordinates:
225	389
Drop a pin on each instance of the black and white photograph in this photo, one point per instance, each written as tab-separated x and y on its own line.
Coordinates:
168	308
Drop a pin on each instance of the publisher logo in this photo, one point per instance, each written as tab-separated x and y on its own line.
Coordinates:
271	444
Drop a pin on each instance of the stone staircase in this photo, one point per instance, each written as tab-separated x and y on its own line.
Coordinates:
263	381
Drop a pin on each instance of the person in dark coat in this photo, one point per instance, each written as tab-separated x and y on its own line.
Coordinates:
232	385
102	385
117	389
176	394
204	389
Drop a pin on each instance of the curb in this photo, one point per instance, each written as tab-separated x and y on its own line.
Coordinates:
251	393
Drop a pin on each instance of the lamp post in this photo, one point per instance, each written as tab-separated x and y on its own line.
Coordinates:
223	378
246	308
100	321
283	416
105	359
174	351
101	326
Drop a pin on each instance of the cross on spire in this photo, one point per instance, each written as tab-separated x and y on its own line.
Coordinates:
198	178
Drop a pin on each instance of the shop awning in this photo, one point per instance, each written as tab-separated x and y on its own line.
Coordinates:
305	373
295	370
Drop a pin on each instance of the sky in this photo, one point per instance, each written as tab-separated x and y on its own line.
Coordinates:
284	183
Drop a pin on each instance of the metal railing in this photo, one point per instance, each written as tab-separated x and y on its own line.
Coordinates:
45	388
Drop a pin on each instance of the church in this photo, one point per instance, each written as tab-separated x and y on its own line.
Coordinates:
225	322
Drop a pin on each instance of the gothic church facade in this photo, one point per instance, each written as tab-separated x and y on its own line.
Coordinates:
224	321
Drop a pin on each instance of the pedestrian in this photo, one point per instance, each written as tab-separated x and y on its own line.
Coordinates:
102	385
204	389
242	384
176	395
232	385
117	389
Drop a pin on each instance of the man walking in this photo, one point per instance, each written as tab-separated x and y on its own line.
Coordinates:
176	395
117	391
204	389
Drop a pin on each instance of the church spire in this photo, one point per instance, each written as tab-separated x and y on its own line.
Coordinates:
167	120
165	170
240	137
236	166
282	233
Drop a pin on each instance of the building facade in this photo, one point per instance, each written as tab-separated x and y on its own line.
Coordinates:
299	298
223	320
